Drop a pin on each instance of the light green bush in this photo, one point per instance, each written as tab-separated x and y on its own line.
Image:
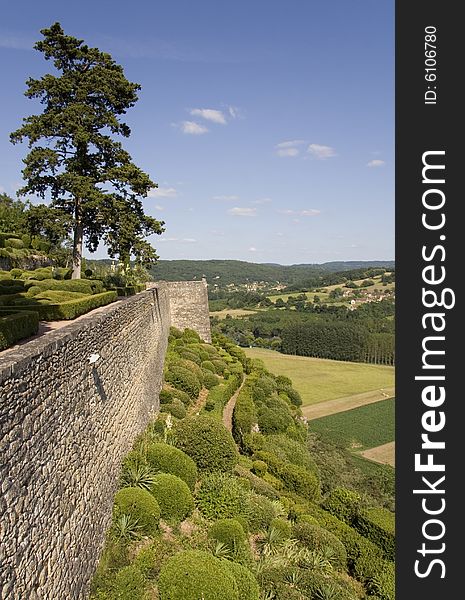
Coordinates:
247	585
141	506
259	512
185	380
168	459
317	538
229	532
173	496
221	497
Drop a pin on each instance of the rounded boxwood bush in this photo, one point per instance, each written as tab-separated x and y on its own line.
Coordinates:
207	442
221	496
176	408
229	532
165	396
195	575
210	379
185	380
259	512
180	395
174	497
317	538
283	526
274	421
128	584
178	361
168	459
247	585
141	506
208	365
259	467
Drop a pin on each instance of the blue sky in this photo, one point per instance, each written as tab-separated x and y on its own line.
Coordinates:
268	125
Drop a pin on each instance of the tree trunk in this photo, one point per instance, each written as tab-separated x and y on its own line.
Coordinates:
77	244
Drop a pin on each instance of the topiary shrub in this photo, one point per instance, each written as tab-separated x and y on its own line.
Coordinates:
296	479
177	361
343	504
165	396
128	584
208	366
141	506
378	525
247	585
259	512
219	365
195	575
316	538
221	496
176	408
257	484
190	336
174	497
274	421
210	379
185	380
207	442
229	532
180	395
168	459
259	467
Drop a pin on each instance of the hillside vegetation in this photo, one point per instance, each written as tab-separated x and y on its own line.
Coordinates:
252	514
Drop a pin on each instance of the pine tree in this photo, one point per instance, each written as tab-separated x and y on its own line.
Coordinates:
74	158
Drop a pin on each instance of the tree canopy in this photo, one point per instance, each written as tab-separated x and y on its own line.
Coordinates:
74	158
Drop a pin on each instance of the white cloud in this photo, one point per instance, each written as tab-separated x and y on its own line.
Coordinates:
242	212
321	152
234	112
189	240
376	163
308	212
226	198
158	207
209	114
192	128
163	192
252	249
289	147
262	201
170	239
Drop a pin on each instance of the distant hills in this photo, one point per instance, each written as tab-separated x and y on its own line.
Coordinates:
224	272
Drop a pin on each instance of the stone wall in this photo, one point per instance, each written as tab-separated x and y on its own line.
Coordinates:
65	425
189	306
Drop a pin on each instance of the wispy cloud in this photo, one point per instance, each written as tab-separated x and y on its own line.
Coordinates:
179	240
289	147
209	114
234	112
226	198
158	207
321	152
191	128
252	249
262	201
163	192
376	163
238	211
16	42
308	212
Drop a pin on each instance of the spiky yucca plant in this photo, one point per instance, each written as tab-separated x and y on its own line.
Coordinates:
138	475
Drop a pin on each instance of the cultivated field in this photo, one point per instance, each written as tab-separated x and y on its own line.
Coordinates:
360	428
234	312
319	379
384	454
330	407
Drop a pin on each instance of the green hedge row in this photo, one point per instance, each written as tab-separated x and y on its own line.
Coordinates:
244	415
71	309
219	395
130	290
15	326
378	525
296	479
85	286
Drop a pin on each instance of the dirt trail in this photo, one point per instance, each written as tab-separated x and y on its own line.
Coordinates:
229	409
199	403
330	407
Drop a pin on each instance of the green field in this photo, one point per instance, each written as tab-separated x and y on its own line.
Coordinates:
319	379
360	428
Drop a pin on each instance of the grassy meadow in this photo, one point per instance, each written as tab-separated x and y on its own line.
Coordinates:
319	379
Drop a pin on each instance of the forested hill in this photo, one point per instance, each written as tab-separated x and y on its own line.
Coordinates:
225	272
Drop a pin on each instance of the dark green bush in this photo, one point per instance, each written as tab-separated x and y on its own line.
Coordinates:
247	585
221	497
208	365
257	484
274	421
195	575
244	416
259	512
296	479
174	497
259	467
343	504
14	243
176	408
210	380
70	309
283	526
177	361
165	396
190	336
219	365
289	450
207	442
84	286
378	525
15	326
185	380
191	355
317	538
229	532
168	459
141	506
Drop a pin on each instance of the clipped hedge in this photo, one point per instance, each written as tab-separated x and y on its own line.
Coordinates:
168	459
174	497
296	479
16	326
140	505
185	380
229	532
176	408
210	380
315	537
378	525
195	575
70	309
84	286
221	496
244	416
343	504
207	442
259	512
247	585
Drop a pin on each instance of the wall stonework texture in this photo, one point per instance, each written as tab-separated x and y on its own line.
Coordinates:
65	426
189	304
